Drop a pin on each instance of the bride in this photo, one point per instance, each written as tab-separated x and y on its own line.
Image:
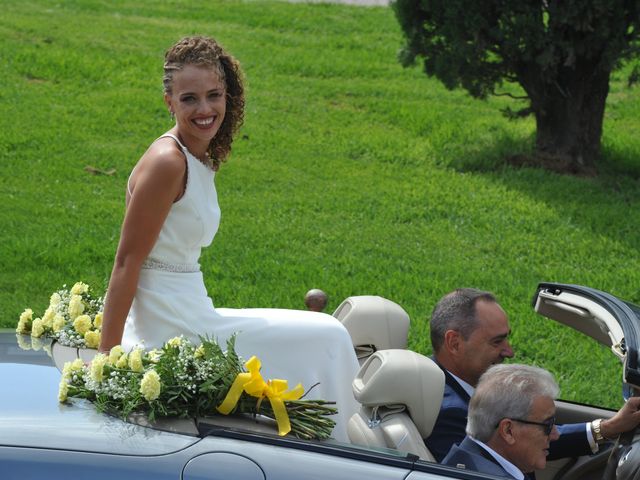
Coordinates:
156	290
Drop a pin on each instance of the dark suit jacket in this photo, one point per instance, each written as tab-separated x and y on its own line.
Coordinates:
475	458
450	426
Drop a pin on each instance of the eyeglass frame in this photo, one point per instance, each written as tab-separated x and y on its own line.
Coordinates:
548	425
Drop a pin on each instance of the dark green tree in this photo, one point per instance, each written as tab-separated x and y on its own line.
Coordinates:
561	52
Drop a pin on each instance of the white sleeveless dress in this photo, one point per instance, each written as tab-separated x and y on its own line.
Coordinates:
171	300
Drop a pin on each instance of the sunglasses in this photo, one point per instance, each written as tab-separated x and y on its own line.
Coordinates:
547	426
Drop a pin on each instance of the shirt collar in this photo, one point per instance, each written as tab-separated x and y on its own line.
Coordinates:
509	467
467	388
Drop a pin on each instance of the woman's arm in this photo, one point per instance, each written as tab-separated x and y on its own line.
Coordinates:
158	180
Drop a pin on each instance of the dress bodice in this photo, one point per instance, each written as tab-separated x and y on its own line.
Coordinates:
192	221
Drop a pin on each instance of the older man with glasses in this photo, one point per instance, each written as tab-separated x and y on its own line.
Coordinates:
511	423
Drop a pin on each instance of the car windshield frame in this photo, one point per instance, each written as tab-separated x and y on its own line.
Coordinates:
626	314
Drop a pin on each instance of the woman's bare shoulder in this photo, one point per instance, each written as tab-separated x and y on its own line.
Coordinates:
163	157
162	166
164	153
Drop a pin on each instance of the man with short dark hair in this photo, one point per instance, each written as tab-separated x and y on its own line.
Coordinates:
469	333
511	423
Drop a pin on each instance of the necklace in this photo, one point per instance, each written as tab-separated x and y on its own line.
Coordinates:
205	160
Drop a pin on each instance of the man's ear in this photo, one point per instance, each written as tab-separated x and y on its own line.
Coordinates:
167	101
452	341
505	431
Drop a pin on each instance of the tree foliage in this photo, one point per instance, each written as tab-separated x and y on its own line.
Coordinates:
561	52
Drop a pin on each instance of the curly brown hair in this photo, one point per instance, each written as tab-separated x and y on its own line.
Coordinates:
205	51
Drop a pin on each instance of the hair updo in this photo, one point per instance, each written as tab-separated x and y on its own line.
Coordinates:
206	52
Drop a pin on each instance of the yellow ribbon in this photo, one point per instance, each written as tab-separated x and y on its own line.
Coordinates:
253	384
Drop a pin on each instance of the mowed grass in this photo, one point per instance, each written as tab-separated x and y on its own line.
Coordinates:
351	174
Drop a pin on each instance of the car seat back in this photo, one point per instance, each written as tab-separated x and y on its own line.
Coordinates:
374	323
400	392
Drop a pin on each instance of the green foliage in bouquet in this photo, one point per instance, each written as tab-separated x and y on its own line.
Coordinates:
73	318
184	380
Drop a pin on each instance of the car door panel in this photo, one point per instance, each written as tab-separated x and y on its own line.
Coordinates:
221	466
278	462
570	412
19	463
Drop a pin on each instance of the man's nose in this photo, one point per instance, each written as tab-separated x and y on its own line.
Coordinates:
554	434
507	351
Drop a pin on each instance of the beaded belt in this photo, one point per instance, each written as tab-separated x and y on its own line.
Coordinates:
170	267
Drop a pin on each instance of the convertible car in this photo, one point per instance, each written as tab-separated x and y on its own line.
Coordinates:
399	392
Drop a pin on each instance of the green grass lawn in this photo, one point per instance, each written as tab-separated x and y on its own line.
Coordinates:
351	174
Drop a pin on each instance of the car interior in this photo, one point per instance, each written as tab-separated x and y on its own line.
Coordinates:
400	416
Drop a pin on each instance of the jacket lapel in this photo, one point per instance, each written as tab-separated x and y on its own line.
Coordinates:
453	383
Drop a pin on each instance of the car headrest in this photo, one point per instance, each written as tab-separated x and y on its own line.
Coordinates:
373	320
402	377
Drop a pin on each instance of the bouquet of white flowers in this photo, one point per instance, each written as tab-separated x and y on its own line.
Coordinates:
73	318
184	380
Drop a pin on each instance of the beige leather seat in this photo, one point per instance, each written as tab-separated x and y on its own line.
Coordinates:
400	392
374	323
